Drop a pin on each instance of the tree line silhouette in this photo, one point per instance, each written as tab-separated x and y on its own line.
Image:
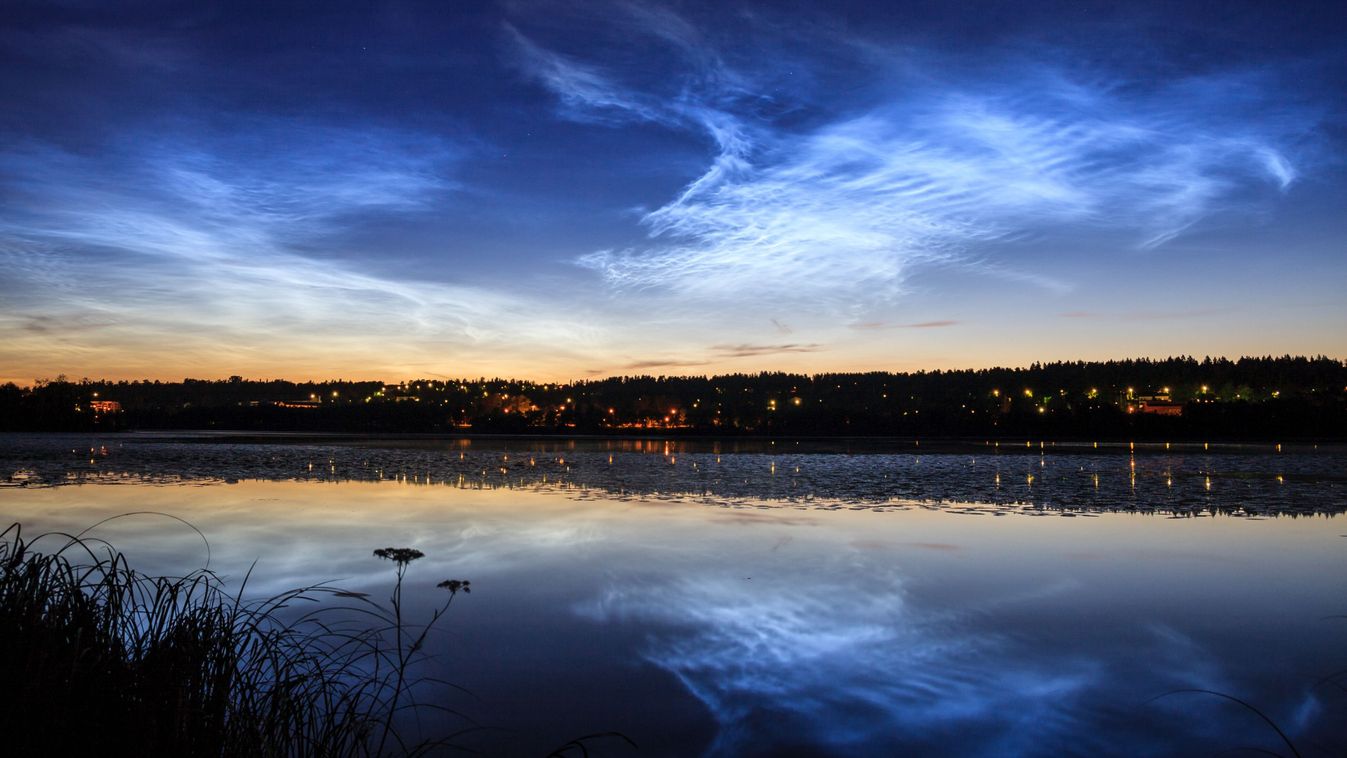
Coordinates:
1214	398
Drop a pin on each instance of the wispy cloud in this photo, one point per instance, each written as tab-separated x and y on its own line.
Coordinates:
585	92
876	325
657	363
219	251
753	351
936	169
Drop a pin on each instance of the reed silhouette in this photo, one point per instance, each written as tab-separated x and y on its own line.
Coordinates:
96	656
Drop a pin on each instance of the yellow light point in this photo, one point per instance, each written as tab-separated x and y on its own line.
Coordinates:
795	401
1165	390
1041	409
1028	392
1166	445
1096	481
1029	480
1207	484
1281	479
1096	446
1279	447
1206	446
1204	388
998	479
1131	446
996	393
1169	482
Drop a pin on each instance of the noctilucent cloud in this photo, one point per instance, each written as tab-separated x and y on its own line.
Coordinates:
562	190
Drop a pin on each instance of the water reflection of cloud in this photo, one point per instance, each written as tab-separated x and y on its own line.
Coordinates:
792	661
838	658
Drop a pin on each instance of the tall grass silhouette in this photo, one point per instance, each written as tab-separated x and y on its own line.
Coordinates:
96	656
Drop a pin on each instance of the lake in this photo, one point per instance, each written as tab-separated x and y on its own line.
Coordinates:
783	597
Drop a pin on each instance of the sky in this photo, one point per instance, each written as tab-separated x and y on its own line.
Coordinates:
570	190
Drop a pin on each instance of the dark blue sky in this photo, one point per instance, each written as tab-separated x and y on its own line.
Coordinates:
562	190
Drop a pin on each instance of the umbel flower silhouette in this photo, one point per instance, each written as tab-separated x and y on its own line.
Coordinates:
454	585
402	651
399	555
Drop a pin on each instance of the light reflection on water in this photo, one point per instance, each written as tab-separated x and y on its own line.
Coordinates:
1189	479
777	630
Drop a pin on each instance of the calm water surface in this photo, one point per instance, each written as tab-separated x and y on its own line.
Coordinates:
784	599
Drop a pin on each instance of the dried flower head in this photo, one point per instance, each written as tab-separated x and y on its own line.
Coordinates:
399	555
454	585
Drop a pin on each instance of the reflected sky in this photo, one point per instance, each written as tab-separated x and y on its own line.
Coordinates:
780	631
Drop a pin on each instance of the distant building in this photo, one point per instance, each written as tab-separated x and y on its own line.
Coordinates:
1165	407
310	404
105	406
